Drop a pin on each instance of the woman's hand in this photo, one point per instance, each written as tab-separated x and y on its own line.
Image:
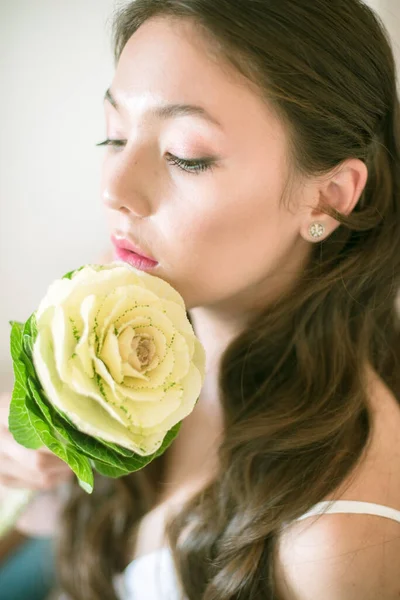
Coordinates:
38	470
24	468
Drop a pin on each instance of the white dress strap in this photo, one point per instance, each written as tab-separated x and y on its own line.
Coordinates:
352	506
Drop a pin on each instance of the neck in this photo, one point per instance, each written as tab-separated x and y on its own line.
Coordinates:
192	456
215	332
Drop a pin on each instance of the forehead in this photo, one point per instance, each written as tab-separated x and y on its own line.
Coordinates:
169	61
171	54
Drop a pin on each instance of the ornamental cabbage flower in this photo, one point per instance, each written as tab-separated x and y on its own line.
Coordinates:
106	369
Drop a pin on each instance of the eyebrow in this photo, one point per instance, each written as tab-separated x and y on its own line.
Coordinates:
168	111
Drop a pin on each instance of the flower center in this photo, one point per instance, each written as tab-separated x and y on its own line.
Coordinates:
143	351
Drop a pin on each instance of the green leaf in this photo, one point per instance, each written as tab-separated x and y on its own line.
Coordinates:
109	471
16	339
63	417
30	367
86	486
19	423
137	462
58	432
20	346
169	438
119	449
173	432
94	448
26	356
85	444
30	327
27	345
78	463
48	412
29	335
101	453
71	273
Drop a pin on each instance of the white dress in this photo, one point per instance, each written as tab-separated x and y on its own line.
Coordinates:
152	576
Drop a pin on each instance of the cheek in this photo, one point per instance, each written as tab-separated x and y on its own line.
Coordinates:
221	250
236	243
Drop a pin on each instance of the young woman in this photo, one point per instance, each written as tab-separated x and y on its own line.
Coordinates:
255	158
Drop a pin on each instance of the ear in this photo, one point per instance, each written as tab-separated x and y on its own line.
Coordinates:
341	190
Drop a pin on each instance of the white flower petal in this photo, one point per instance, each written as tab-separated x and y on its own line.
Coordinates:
89	308
191	385
140	394
151	443
55	296
156	318
125	343
151	414
88	281
178	317
155	335
86	414
129	371
86	387
92	281
161	288
199	358
116	304
103	372
181	355
111	357
64	342
159	376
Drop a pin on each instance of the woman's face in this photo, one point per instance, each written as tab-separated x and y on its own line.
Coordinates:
220	235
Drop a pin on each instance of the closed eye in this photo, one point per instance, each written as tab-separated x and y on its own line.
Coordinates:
190	166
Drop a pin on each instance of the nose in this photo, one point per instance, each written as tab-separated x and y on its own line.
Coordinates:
124	187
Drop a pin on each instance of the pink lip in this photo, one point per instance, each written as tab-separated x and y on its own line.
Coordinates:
127	245
131	254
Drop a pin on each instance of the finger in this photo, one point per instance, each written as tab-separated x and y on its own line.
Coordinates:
12	482
5	400
45	450
61	470
15	482
10	469
32	459
5	434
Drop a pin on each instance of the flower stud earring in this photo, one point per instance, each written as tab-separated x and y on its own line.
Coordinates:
317	230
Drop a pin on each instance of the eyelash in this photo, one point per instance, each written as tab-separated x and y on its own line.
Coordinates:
189	166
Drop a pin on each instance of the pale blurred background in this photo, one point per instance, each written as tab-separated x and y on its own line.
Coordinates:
56	63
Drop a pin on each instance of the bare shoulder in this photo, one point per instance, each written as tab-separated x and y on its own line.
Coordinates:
340	557
351	556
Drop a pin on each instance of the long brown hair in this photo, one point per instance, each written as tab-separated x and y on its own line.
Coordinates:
292	384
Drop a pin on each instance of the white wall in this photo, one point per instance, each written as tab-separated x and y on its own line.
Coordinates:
56	62
389	11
